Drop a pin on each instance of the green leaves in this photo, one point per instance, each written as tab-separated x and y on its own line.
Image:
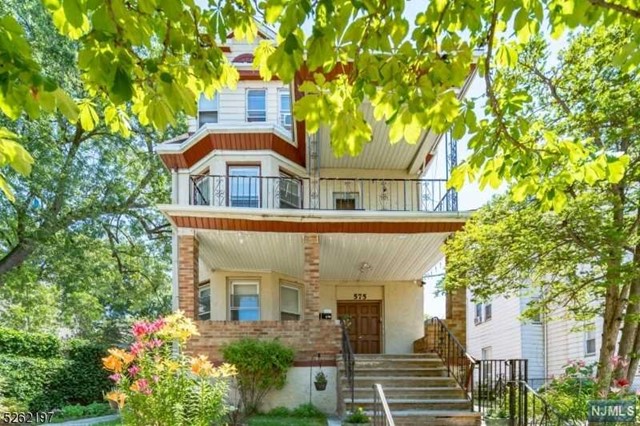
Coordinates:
14	155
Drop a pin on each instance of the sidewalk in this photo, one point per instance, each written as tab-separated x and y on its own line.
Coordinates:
86	422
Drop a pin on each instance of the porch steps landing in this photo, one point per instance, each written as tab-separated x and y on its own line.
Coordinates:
416	386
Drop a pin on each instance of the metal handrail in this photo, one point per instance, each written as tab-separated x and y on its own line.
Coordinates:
459	363
287	192
349	361
535	409
381	413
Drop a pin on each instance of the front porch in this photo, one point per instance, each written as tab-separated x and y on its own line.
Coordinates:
232	282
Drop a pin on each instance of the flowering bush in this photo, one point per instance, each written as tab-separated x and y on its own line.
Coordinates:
156	385
570	393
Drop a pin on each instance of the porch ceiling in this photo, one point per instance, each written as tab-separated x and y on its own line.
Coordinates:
392	257
379	153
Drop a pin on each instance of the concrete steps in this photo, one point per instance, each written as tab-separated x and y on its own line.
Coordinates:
416	387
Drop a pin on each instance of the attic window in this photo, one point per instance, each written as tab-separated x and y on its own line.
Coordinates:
245	58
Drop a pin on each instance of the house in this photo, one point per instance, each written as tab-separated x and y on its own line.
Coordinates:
496	331
275	237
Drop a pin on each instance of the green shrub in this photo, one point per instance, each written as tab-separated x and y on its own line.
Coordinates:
307	411
35	382
262	366
279	412
35	345
357	417
95	409
86	381
43	384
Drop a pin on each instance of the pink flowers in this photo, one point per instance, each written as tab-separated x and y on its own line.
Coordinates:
621	382
137	348
115	377
154	343
143	328
134	370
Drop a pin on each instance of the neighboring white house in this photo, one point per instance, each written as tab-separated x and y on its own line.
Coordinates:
495	330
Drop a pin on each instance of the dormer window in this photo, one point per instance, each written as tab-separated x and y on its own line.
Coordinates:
207	110
256	105
284	105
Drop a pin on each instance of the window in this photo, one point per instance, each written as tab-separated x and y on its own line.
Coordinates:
290	192
204	299
284	101
289	303
207	110
590	342
487	311
244	186
346	200
256	105
245	301
487	353
478	316
201	188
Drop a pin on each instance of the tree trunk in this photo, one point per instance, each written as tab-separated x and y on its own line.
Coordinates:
615	299
633	362
15	257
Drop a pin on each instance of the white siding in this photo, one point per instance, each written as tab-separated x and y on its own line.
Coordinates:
502	332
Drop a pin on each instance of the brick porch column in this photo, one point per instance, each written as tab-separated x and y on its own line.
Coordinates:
188	252
457	314
311	276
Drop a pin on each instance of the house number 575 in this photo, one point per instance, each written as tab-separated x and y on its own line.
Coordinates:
359	296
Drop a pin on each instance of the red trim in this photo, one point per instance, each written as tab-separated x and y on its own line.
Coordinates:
315	227
225	49
235	142
253	75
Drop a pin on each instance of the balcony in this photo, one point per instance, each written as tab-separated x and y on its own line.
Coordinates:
283	192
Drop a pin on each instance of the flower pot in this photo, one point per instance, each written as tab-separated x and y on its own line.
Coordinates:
496	422
320	386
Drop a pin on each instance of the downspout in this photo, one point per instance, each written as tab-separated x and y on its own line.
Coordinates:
174	245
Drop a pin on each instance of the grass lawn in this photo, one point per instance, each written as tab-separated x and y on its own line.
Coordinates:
286	421
110	423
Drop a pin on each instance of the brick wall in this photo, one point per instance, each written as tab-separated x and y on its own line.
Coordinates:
456	318
306	337
456	322
188	252
311	276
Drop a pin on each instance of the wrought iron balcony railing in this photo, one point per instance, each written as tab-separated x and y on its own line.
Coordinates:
426	195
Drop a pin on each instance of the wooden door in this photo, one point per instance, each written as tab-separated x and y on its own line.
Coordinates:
364	331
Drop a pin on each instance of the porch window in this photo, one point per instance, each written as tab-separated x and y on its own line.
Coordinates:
289	303
284	105
201	188
256	105
207	110
346	200
590	342
204	299
290	191
245	301
244	186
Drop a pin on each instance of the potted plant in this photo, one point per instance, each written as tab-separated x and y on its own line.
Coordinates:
321	381
358	418
497	417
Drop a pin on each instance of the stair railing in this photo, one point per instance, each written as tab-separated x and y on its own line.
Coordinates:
459	363
349	361
381	413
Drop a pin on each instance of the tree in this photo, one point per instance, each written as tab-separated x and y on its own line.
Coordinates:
584	256
151	58
82	231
